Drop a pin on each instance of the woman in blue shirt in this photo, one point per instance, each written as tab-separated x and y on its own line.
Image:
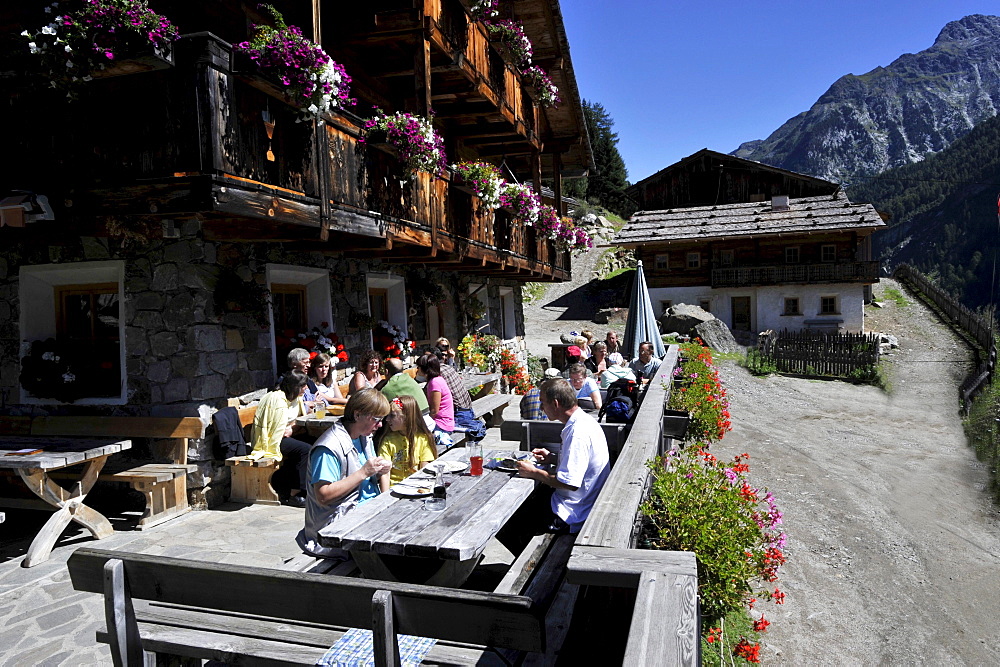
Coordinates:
343	467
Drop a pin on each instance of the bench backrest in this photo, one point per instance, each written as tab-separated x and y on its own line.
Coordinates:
491	619
124	427
531	432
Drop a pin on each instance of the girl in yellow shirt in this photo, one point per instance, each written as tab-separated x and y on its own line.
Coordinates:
408	444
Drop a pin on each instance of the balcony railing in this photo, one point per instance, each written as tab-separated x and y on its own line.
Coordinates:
841	272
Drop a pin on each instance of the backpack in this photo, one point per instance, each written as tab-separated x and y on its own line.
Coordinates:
619	410
619	403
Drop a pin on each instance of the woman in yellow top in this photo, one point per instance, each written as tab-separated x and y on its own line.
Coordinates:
273	428
408	444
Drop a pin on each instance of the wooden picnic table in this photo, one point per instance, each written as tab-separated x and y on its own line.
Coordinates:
477	508
33	469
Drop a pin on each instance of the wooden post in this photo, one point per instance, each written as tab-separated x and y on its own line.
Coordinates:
317	27
557	182
383	630
422	75
123	629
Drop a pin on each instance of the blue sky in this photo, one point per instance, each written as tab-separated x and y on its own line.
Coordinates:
681	76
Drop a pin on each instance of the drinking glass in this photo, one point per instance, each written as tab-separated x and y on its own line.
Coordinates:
476	459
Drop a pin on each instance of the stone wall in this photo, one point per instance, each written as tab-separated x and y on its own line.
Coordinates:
183	356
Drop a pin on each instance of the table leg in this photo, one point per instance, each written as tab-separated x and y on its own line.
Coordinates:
372	566
70	508
453	573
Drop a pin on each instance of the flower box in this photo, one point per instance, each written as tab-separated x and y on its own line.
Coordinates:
137	64
675	424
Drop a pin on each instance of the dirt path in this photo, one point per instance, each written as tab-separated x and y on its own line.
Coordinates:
565	307
894	543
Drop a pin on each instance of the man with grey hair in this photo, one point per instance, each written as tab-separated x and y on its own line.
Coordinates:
299	360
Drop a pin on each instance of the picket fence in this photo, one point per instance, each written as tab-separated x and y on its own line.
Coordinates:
819	354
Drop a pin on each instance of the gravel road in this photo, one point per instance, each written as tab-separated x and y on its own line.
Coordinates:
893	547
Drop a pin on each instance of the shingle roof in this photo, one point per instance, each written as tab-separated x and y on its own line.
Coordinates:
803	216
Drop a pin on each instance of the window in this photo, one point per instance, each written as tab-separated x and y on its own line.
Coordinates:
792	255
508	327
828	253
300	300
828	305
288	307
80	306
664	305
694	260
706	305
663	262
378	303
791	307
727	257
87	318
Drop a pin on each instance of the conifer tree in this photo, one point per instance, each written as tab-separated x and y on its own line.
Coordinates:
606	187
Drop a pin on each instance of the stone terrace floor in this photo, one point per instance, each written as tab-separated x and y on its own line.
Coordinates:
43	621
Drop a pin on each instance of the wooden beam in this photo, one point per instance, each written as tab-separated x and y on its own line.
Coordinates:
557	182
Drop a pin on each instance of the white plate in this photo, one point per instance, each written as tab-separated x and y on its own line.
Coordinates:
446	467
412	491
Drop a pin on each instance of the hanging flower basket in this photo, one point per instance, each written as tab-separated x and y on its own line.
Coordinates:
540	84
522	203
481	179
510	38
303	70
483	10
102	38
419	145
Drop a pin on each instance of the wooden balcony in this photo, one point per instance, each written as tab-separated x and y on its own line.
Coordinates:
214	138
465	78
787	274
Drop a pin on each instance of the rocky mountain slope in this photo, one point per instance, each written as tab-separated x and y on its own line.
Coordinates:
894	115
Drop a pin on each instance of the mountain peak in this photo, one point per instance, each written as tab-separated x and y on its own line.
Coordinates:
894	115
970	27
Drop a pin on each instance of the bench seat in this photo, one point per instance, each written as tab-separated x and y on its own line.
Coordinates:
491	407
251	480
164	485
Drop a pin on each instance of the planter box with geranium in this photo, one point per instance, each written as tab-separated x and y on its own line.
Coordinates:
101	38
297	67
541	84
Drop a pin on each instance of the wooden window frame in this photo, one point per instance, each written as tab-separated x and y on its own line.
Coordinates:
794	311
796	252
836	306
823	252
664	265
93	289
696	256
702	303
384	293
727	257
291	288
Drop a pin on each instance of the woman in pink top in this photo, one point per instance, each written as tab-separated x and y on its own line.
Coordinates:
439	400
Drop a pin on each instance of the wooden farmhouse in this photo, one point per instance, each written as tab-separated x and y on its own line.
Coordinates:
166	230
143	218
758	259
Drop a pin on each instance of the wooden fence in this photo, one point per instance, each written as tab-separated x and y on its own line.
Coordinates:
665	625
820	354
958	316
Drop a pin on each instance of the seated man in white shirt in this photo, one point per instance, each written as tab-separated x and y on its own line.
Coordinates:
646	365
582	465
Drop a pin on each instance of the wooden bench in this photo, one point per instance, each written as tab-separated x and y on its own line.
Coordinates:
250	480
531	433
318	565
490	408
251	615
163	485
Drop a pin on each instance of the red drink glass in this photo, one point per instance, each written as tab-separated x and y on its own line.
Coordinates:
475	465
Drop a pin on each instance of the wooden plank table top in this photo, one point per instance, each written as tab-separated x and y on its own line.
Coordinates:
477	508
33	469
57	452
